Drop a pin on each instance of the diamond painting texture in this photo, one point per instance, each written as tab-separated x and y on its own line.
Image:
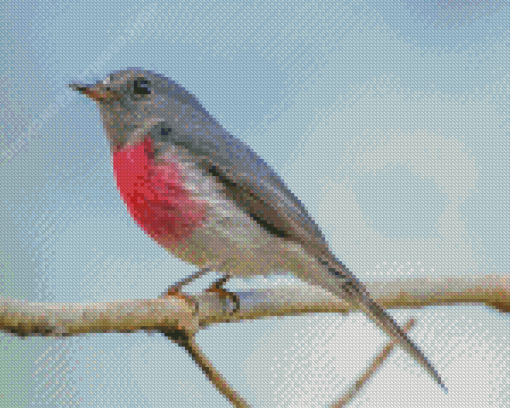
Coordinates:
389	122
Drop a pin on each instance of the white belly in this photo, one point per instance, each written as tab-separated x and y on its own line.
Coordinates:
234	243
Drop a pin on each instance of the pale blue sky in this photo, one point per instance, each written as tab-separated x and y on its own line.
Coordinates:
390	121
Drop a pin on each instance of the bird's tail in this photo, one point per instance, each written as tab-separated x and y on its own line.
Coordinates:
348	287
385	322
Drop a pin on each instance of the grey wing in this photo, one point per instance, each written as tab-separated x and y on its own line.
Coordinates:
249	181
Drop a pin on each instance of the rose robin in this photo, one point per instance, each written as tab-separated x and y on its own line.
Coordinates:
210	200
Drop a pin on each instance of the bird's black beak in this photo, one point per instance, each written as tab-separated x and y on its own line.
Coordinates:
98	92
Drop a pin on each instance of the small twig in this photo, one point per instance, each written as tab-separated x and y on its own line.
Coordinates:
189	344
370	371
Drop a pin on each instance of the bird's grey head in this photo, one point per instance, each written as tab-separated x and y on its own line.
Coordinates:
130	98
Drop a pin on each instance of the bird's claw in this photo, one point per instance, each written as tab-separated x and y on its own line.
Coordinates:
217	287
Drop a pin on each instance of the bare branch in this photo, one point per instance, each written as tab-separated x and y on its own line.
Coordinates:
65	319
180	316
211	373
179	311
491	290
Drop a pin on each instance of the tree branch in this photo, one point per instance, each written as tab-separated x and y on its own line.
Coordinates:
180	316
65	319
196	311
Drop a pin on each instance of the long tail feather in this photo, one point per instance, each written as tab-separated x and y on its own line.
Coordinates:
385	322
349	287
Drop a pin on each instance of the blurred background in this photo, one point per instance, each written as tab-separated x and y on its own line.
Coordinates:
390	121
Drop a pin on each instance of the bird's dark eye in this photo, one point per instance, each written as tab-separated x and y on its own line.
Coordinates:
142	87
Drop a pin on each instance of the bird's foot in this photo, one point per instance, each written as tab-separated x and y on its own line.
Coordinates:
177	287
223	293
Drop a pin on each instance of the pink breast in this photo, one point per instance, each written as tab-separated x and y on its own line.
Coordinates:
155	194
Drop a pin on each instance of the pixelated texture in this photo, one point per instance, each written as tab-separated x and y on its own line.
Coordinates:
390	123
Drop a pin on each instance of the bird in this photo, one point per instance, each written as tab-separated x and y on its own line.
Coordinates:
210	200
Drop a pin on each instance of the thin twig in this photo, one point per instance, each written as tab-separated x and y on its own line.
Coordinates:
370	371
211	373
